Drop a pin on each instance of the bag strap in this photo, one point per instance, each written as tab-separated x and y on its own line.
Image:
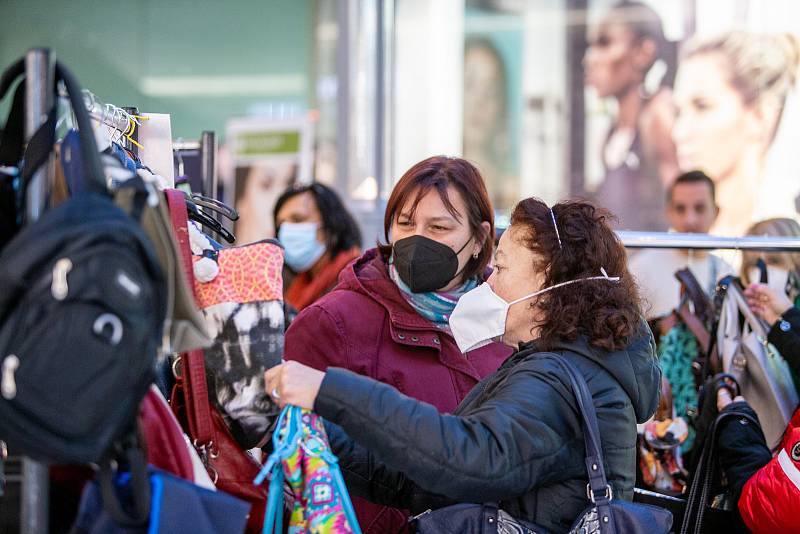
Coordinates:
703	308
703	479
12	141
756	324
140	484
598	490
41	143
284	444
712	363
195	387
699	321
338	480
91	155
695	326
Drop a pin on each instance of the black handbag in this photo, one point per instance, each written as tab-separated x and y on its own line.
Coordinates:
705	505
605	515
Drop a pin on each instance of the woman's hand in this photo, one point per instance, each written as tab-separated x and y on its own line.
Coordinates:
293	383
766	303
724	398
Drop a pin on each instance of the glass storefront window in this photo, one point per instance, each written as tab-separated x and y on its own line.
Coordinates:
608	101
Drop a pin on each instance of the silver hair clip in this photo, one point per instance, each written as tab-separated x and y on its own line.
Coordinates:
558	236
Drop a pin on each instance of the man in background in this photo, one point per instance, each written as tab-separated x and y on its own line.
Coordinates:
691	208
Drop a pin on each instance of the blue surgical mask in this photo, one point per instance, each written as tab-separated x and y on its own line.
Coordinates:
302	249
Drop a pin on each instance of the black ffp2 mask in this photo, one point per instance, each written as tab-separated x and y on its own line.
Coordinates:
425	264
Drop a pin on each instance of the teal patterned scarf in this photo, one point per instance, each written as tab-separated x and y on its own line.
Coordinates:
435	306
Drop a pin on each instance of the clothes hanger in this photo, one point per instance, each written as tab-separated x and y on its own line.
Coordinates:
196	215
216	206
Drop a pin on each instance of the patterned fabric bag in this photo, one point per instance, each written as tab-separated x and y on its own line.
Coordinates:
659	447
243	307
676	352
303	459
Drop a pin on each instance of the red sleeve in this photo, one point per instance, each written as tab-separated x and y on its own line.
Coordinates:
771	498
316	338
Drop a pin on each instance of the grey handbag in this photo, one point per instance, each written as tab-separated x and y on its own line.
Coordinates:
763	375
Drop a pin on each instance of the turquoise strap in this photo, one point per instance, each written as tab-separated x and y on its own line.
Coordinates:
283	447
341	487
273	517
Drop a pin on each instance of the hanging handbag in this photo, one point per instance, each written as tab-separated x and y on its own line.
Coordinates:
683	344
166	446
708	506
605	515
231	468
659	447
178	507
302	458
184	328
243	309
763	375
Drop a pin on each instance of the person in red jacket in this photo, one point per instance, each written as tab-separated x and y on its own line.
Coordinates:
769	485
388	316
771	497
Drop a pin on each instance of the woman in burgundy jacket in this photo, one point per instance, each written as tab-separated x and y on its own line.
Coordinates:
388	316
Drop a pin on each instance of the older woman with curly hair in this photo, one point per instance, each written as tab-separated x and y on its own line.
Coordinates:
560	286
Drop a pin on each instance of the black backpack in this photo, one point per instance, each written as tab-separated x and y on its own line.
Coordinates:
82	311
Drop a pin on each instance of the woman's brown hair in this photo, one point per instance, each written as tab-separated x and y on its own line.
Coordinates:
607	313
439	172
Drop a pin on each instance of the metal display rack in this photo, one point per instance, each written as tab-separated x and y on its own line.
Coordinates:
708	242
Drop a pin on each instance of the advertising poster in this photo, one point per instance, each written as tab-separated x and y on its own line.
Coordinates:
670	91
611	100
267	156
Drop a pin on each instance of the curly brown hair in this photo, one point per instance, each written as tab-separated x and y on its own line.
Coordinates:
608	314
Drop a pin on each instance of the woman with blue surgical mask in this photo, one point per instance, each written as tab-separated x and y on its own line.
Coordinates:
560	288
319	237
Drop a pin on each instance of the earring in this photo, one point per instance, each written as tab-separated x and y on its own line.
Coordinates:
475	255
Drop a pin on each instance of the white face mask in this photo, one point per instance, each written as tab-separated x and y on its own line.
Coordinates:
480	315
777	278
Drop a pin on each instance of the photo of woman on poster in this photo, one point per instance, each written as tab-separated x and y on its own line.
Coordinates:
638	153
486	119
731	95
258	187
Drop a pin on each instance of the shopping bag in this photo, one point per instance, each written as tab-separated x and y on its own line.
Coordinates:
303	459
